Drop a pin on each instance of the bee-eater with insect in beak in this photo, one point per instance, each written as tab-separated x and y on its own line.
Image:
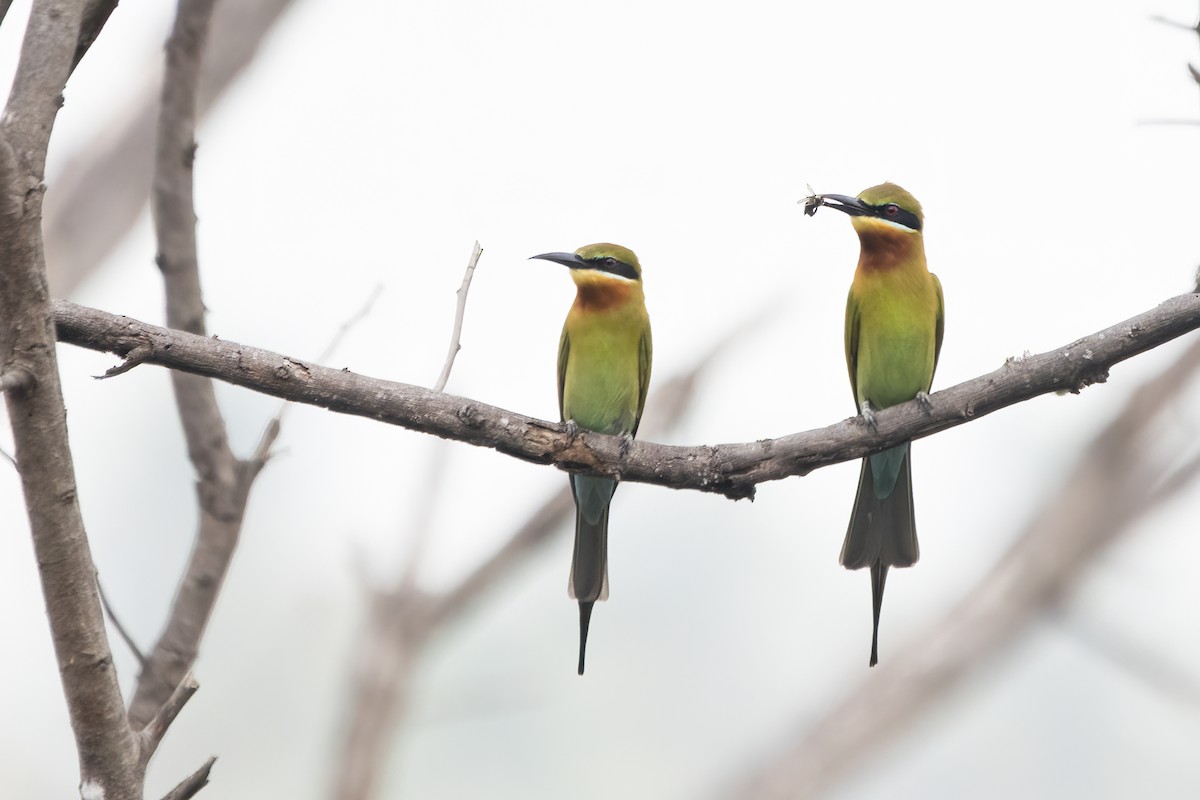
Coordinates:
603	374
894	325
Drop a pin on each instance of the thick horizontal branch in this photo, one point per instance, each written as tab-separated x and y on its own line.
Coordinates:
730	469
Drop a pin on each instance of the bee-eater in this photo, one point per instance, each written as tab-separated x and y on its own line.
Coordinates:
894	325
603	374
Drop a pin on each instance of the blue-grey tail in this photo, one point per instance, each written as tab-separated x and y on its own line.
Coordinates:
879	573
585	619
883	530
589	563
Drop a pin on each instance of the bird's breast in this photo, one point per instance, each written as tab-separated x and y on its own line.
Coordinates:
601	382
897	334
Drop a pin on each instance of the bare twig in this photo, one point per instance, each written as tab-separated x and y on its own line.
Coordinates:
272	431
121	630
192	784
344	329
729	469
459	312
151	735
435	473
266	441
1170	23
133	358
100	192
1115	481
106	746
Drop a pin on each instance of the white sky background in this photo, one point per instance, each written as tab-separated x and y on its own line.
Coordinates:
374	147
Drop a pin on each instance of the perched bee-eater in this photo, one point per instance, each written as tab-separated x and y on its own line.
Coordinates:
603	375
894	324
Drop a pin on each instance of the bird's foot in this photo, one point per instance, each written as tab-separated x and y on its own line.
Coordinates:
626	444
868	416
572	429
925	402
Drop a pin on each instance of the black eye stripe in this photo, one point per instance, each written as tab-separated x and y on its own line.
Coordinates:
617	267
905	218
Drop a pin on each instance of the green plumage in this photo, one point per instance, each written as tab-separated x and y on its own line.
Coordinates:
893	336
604	362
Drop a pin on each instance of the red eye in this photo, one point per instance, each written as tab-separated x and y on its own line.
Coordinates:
891	209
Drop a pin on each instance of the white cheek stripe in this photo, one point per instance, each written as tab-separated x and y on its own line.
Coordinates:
891	224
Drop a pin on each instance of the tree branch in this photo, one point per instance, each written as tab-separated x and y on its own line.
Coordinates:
192	784
152	735
95	15
459	312
120	628
223	482
106	745
729	469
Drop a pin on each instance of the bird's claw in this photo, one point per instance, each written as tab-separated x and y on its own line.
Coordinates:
626	444
925	402
868	416
572	429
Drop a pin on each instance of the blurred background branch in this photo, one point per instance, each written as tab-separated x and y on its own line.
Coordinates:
102	189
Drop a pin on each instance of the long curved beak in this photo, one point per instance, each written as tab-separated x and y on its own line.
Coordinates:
850	205
566	259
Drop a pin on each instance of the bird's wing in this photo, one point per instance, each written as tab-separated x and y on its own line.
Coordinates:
941	324
564	349
852	320
645	357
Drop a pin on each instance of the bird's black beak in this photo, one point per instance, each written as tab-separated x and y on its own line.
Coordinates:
851	205
566	259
